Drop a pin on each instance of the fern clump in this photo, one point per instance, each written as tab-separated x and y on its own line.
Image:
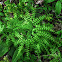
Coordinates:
25	37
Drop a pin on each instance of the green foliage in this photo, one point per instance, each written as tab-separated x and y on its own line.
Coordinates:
5	59
1	27
58	7
26	36
61	1
3	49
17	54
49	1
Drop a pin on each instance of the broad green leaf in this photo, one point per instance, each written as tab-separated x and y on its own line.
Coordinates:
11	51
3	49
58	7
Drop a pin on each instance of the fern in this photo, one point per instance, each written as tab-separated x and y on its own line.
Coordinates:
17	54
28	36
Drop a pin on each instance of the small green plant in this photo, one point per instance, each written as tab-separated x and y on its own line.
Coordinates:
5	59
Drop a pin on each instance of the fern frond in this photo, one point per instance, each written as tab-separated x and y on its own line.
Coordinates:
17	54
